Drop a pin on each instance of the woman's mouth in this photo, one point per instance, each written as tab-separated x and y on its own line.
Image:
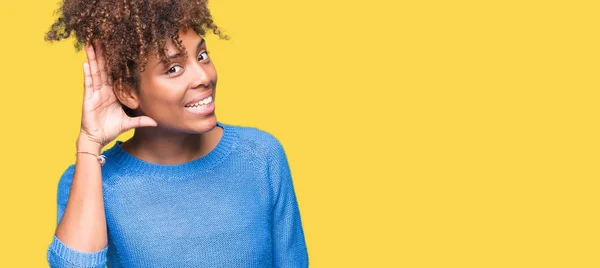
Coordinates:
205	106
201	103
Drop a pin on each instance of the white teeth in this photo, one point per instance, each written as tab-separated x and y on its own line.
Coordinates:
207	100
202	102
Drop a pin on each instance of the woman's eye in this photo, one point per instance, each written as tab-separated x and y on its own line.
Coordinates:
174	69
204	55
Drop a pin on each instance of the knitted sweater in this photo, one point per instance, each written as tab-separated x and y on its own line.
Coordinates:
234	207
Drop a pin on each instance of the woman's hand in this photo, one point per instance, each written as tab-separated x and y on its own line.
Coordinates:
103	117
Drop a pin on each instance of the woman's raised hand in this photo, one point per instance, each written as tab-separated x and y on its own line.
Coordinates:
103	117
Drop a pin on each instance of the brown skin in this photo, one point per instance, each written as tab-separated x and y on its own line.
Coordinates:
126	87
177	134
181	136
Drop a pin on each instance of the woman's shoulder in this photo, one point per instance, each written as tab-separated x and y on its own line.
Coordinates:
257	139
66	177
256	134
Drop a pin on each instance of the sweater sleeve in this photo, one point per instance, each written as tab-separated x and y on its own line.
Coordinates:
61	255
289	246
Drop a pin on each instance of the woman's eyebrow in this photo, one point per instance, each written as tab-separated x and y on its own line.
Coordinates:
178	54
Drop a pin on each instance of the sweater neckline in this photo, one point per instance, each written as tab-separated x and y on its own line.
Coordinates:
124	160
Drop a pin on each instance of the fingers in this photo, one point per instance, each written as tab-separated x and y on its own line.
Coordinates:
138	121
95	71
87	82
101	64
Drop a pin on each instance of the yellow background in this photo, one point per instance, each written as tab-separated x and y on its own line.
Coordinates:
419	133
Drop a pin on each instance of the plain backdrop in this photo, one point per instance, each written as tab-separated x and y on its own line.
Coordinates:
419	133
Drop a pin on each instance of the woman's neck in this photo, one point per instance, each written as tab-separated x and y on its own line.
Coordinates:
163	146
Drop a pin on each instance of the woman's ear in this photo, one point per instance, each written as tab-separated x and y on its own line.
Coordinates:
127	95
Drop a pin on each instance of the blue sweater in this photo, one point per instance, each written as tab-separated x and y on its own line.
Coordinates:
234	207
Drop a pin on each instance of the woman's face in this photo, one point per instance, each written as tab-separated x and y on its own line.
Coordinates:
180	96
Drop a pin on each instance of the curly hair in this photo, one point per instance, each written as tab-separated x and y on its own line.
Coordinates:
128	30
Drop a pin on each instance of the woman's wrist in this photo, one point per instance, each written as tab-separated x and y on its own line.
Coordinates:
84	144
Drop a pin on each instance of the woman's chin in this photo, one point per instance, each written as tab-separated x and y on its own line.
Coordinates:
204	125
192	126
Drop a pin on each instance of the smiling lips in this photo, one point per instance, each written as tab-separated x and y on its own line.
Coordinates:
201	103
203	107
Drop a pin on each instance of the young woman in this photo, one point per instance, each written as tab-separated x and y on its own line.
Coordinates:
186	190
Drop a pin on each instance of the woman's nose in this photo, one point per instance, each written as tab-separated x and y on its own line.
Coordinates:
200	77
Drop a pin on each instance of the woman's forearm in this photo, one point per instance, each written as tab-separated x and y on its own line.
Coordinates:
83	225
